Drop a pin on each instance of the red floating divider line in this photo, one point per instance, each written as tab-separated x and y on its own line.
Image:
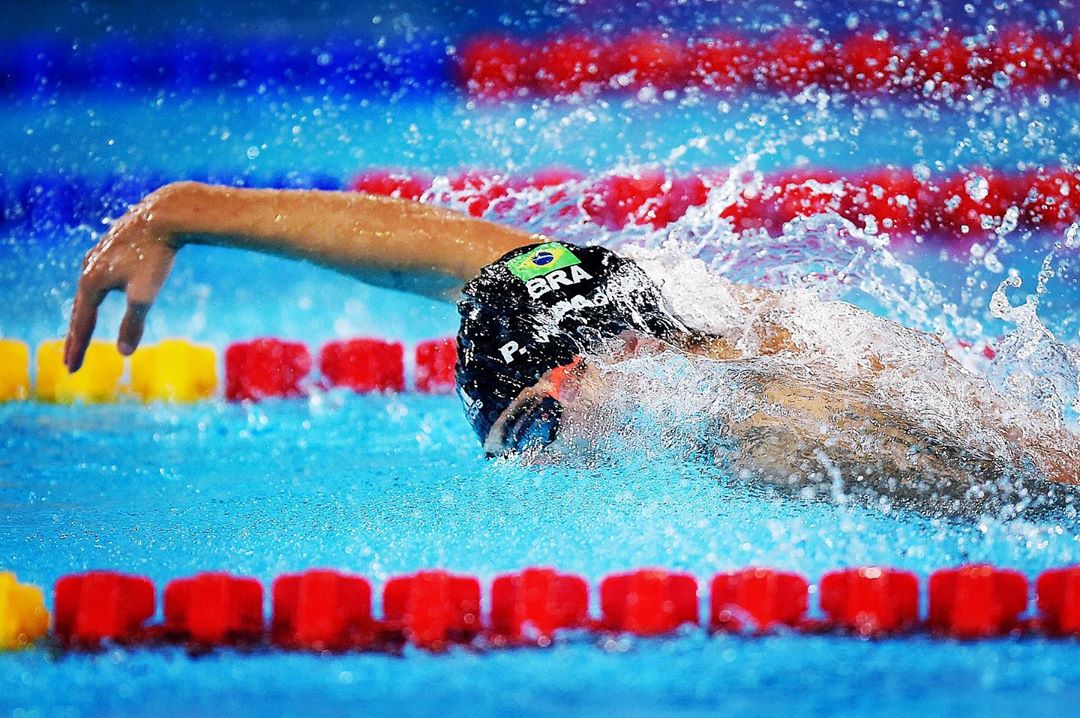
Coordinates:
529	607
431	609
937	65
435	362
101	605
325	610
649	602
322	610
756	599
976	601
970	203
265	368
364	365
214	609
871	601
1058	592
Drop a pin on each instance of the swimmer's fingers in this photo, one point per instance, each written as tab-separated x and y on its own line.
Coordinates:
83	320
142	290
131	328
97	279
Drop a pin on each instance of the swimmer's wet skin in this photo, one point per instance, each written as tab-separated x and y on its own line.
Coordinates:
540	319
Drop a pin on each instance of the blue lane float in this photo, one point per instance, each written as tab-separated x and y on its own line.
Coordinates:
48	64
49	201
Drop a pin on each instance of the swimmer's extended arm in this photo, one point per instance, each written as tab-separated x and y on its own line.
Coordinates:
389	242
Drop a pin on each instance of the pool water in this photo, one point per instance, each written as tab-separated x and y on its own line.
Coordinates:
384	485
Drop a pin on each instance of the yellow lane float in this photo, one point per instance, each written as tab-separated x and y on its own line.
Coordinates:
97	381
14	370
174	370
23	618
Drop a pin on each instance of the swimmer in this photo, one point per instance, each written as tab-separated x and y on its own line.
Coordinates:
546	326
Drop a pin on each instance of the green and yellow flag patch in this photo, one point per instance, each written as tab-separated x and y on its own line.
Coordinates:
540	260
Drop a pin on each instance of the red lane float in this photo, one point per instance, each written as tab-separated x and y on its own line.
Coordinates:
98	606
618	200
646	60
265	368
1049	198
757	599
364	365
563	65
722	62
936	65
871	601
942	65
477	191
1029	58
431	609
212	609
971	202
435	362
891	199
792	61
649	602
494	67
976	601
870	62
804	193
650	197
1058	592
389	183
529	607
322	610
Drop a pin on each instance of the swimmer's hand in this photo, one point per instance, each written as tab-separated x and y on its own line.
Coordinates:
132	257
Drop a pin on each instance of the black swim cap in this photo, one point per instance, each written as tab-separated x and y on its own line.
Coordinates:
537	308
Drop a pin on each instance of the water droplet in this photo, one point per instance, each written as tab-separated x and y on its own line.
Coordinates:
977	188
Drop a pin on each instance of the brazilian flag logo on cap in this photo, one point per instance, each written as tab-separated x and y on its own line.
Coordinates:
540	260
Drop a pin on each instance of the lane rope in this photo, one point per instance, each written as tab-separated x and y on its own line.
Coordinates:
327	610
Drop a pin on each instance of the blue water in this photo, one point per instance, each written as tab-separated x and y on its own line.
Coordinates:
386	485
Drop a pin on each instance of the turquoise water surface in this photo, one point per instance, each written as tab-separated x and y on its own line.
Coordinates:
382	485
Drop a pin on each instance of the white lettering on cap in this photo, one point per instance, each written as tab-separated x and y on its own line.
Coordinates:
507	350
577	274
540	286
